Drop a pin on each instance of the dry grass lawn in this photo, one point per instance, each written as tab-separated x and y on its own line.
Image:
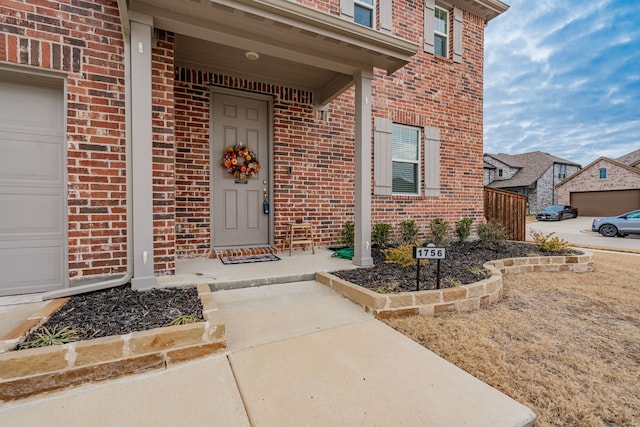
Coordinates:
566	345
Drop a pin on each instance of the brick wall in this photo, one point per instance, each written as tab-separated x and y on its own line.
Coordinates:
434	91
164	154
319	152
83	40
618	178
430	91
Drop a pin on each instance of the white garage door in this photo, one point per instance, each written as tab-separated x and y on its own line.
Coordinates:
32	184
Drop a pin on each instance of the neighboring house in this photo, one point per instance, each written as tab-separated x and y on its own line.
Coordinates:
534	175
115	117
605	187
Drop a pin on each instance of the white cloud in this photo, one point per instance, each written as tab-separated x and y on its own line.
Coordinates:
562	77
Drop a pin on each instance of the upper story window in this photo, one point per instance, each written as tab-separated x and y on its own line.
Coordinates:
603	173
405	151
441	32
443	27
376	14
562	171
363	12
500	173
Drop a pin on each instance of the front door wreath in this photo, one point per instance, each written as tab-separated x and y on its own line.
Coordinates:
240	162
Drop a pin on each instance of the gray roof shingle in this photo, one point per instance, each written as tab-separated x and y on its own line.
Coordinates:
532	166
630	159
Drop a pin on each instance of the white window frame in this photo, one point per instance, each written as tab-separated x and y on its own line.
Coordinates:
438	33
372	7
416	162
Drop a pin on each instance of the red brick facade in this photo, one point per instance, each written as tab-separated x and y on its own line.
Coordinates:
84	39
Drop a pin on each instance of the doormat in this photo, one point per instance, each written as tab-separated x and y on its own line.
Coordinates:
244	259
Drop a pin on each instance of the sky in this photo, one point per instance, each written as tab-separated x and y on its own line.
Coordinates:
563	77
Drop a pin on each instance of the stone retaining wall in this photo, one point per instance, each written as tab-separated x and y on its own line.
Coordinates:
462	298
27	372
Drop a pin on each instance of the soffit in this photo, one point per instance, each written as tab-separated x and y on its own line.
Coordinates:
298	46
486	9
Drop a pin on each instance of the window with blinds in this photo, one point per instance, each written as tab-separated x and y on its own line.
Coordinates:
406	159
441	34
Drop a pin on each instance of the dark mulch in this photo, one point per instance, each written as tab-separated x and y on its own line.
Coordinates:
463	261
121	310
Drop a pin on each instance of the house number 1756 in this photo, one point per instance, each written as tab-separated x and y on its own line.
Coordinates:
421	252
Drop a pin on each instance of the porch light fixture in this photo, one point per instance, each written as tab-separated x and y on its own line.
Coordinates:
252	56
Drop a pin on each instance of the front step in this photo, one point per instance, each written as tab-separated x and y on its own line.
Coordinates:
261	250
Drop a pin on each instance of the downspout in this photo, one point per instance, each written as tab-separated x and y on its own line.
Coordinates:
111	283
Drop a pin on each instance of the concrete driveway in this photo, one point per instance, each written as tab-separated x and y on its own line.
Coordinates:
577	231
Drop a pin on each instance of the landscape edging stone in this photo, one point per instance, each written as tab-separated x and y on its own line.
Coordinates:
468	297
32	371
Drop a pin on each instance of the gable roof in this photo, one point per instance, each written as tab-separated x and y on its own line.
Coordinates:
486	165
532	166
630	159
599	159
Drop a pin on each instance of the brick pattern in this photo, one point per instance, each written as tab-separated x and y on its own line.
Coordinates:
320	188
430	91
164	154
463	298
84	40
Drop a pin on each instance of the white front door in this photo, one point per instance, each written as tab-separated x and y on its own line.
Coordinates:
238	213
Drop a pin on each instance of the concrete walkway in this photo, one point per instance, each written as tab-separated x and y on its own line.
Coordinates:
299	355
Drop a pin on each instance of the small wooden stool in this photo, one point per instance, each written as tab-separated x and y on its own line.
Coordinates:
304	238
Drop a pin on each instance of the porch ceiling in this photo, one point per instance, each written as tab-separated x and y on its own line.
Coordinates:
298	46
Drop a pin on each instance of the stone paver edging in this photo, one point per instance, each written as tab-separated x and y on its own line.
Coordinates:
462	298
27	372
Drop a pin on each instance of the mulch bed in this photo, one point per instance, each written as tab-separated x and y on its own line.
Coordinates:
463	262
121	310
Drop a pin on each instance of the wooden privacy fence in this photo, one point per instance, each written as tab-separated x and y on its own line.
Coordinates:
507	208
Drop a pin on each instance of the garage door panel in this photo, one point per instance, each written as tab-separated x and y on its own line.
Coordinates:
31	215
605	203
31	160
32	108
28	268
33	211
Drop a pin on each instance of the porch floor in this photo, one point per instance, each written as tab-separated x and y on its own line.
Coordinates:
300	266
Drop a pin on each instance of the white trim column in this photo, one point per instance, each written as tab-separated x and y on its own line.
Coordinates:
362	237
141	152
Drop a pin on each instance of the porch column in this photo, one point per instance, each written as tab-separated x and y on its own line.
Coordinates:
141	152
362	243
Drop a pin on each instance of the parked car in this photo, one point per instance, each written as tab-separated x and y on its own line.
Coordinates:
621	225
556	213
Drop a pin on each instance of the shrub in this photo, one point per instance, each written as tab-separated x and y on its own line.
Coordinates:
492	234
463	228
53	336
546	243
386	288
380	234
479	272
183	319
348	234
438	231
408	232
402	255
450	282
